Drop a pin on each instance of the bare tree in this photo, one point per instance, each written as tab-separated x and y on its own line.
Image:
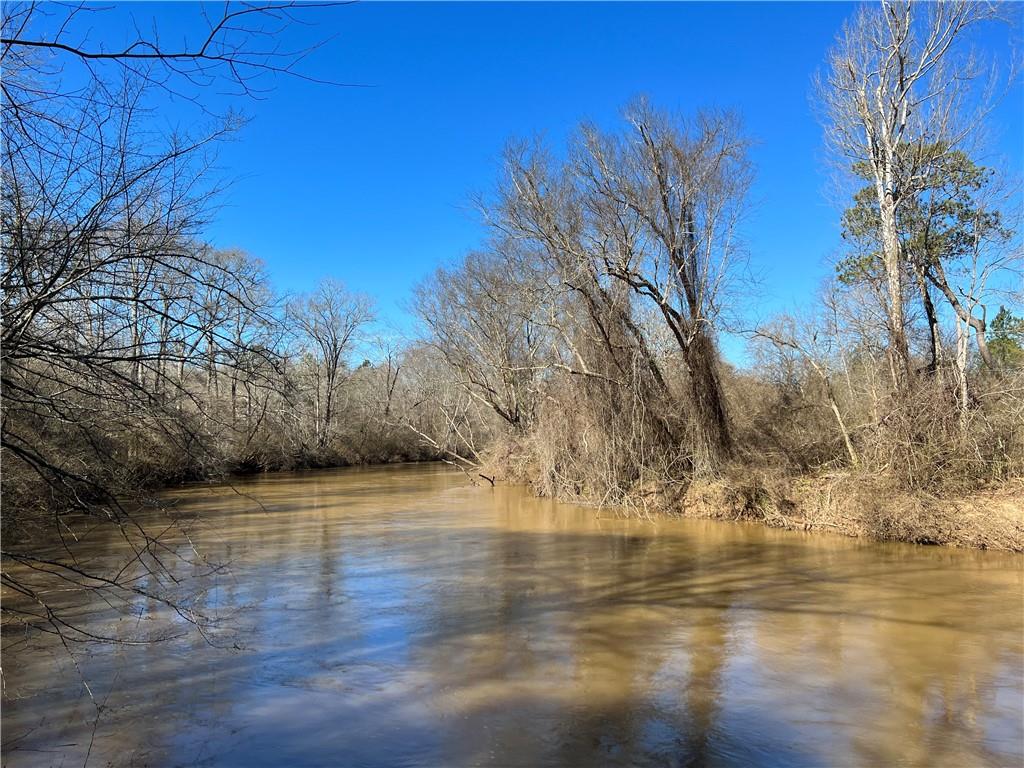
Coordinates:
484	318
327	323
652	211
666	201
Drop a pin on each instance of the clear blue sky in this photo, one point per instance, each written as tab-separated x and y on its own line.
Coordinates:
370	185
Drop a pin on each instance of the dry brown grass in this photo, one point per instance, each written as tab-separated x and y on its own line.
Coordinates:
853	504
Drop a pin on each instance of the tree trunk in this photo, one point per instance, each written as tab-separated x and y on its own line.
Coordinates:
899	350
713	439
854	461
937	275
931	317
962	341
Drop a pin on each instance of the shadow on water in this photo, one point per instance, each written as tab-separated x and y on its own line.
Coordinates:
397	617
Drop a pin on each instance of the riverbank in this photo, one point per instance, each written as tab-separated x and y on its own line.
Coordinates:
855	505
846	503
849	503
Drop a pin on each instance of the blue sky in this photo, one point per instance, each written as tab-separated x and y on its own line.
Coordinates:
371	185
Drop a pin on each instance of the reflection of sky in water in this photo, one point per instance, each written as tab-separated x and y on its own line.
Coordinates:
396	616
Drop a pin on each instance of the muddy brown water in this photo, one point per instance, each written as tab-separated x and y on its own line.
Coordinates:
398	616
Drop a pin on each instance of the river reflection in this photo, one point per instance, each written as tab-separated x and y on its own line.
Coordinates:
397	616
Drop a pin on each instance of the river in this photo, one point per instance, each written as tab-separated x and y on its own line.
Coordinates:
399	616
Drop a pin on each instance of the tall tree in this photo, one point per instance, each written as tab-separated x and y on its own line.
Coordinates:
667	197
894	91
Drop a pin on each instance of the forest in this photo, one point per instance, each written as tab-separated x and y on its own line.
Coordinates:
576	350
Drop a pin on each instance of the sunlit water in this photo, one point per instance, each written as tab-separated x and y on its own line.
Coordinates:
402	617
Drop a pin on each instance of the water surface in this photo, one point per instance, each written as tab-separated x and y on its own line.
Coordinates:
399	616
